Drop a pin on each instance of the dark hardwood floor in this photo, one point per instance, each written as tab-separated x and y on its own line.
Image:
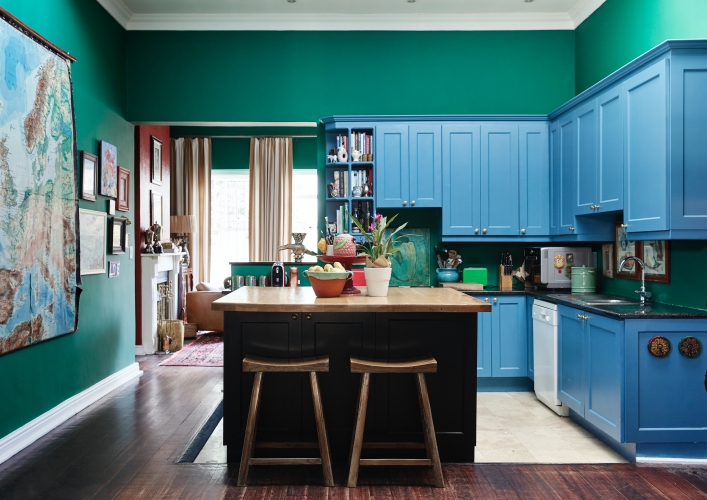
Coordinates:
126	445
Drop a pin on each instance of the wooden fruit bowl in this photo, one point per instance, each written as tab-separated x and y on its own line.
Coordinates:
328	285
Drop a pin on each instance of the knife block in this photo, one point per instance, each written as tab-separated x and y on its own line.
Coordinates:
505	283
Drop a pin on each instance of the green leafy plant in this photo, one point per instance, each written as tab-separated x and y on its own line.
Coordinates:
377	244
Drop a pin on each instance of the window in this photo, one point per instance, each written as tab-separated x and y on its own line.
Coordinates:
230	193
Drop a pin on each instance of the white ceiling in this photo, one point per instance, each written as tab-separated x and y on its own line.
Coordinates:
348	15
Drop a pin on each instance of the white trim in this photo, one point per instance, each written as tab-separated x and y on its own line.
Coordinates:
662	460
492	21
228	124
139	350
580	12
19	439
118	10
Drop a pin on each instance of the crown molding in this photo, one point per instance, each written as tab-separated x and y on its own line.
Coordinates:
118	10
583	10
351	22
226	124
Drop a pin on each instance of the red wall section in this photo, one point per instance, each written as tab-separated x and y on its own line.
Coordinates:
143	186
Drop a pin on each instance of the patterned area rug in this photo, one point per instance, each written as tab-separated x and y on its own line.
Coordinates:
206	350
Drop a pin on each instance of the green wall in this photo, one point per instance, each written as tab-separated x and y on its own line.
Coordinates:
40	377
303	76
621	30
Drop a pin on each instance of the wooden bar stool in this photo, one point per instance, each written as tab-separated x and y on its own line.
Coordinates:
419	368
259	366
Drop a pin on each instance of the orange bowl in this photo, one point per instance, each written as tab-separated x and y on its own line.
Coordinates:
327	288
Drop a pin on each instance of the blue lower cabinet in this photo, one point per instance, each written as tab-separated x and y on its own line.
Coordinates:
503	338
529	327
571	378
666	398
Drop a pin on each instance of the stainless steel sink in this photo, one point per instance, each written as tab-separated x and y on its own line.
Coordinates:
597	299
609	301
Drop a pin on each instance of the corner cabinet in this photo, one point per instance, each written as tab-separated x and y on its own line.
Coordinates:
409	172
502	344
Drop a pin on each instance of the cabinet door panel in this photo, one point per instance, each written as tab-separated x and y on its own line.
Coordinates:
605	367
586	177
645	149
611	151
566	170
689	133
555	178
509	349
426	165
392	166
483	349
461	172
499	179
529	327
534	179
570	358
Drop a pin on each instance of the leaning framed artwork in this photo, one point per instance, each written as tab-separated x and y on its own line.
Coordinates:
156	160
116	235
109	170
89	176
92	241
156	208
607	259
123	189
656	257
626	248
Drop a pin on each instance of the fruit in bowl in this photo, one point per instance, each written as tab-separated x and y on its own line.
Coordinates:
328	281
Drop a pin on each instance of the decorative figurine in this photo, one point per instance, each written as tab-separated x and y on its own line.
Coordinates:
342	154
331	158
356	155
149	240
298	249
157	229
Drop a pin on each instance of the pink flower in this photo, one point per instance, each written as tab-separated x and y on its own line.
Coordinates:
372	227
378	217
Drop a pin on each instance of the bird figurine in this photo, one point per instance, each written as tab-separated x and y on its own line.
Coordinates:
298	250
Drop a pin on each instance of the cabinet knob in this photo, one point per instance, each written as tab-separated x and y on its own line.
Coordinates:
484	231
571	228
592	207
294	316
495	300
412	203
308	316
522	231
405	203
487	299
597	207
579	316
476	230
624	226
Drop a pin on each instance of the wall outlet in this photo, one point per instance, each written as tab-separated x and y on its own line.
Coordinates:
131	252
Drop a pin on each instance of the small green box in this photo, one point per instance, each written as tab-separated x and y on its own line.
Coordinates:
476	275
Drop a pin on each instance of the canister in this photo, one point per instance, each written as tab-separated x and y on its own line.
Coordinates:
584	279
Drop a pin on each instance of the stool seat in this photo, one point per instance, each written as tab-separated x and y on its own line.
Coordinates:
302	365
426	365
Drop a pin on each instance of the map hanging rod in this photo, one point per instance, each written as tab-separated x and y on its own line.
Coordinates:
4	14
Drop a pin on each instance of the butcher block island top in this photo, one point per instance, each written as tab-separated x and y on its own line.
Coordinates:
302	299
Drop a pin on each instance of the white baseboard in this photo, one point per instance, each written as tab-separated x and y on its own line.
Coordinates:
19	439
661	460
139	350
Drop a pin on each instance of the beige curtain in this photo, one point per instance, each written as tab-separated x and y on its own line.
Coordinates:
270	223
191	195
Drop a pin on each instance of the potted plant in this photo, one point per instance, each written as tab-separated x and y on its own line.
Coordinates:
378	249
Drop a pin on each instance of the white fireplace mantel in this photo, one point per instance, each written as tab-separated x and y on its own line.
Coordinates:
152	265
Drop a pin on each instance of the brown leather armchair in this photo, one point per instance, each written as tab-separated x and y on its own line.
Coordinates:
199	311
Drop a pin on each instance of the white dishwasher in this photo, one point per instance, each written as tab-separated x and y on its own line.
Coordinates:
545	345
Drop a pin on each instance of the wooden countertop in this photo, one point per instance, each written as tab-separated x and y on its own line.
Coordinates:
302	299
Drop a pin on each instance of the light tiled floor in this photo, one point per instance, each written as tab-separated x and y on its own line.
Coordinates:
511	427
516	427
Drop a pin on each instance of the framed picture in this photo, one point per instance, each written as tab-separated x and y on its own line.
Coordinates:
626	248
123	189
656	257
156	208
109	170
156	160
89	176
116	235
111	207
607	254
114	269
92	241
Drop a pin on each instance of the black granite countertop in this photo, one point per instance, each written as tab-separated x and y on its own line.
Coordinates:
630	309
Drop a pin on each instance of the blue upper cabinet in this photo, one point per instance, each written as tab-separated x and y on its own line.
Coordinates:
689	131
425	165
586	178
499	179
391	186
461	160
610	181
555	177
646	149
534	179
565	172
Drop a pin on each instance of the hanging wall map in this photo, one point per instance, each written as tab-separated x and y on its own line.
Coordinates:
38	203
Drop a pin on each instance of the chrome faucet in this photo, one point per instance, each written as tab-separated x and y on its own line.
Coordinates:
642	292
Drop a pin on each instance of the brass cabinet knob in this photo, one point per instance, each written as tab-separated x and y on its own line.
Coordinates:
412	203
476	230
294	316
405	203
484	231
308	316
522	231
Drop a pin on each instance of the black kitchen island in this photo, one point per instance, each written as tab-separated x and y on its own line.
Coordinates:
409	323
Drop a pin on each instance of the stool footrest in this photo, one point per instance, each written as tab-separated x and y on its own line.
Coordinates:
394	445
396	461
286	444
285	461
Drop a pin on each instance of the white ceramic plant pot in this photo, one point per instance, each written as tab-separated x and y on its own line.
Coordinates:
377	280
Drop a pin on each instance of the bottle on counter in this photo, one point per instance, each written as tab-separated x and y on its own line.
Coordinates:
294	277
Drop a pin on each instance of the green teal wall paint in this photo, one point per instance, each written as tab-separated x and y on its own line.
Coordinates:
40	377
230	154
621	30
303	76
